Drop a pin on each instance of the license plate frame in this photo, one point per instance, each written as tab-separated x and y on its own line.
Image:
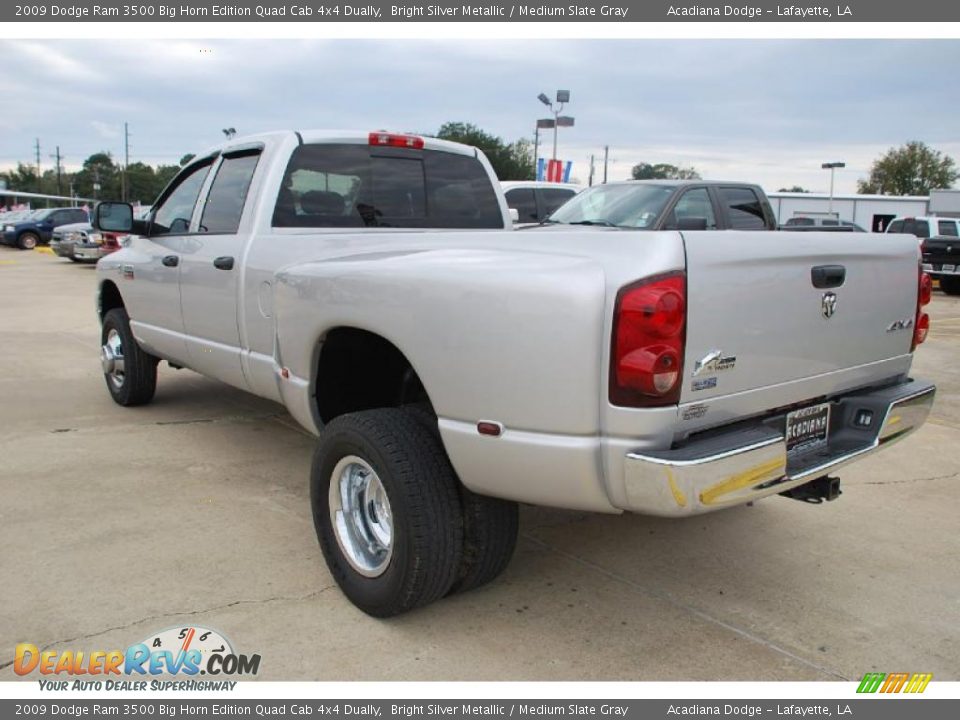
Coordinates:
807	429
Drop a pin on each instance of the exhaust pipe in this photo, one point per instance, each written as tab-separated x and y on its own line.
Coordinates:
816	491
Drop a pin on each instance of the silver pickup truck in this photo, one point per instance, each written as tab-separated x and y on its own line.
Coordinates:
451	367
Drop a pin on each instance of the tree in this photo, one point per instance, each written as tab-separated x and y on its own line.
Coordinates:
24	178
186	158
912	169
795	188
98	169
663	171
510	161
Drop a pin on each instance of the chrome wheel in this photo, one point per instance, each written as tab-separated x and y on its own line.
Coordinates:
111	358
361	517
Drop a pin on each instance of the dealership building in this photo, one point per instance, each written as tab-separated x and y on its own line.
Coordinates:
872	212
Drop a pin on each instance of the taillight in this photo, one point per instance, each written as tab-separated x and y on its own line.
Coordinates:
923	246
646	359
921	325
396	140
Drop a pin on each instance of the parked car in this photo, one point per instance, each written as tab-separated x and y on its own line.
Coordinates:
925	226
372	283
535	201
30	232
821	223
668	205
79	242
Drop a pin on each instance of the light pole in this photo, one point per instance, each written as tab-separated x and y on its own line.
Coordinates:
832	166
563	97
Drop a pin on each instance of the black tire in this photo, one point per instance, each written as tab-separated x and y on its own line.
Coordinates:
28	241
422	489
139	378
490	525
950	285
490	528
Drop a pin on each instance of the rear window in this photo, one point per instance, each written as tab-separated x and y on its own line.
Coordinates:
525	203
743	208
800	221
947	227
352	185
920	228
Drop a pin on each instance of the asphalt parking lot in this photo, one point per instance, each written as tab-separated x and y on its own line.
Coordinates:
116	523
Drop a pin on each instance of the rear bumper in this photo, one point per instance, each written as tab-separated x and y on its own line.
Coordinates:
750	461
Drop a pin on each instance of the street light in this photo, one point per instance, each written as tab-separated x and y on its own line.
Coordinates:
832	166
563	96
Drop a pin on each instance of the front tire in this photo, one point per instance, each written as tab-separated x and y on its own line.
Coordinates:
387	511
950	285
130	372
28	241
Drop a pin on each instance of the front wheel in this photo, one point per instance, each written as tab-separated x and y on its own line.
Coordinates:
130	372
950	285
28	241
387	511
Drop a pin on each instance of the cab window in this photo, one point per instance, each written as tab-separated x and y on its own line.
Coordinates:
693	203
173	213
228	193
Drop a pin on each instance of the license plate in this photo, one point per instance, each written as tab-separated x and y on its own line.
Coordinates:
949	268
807	429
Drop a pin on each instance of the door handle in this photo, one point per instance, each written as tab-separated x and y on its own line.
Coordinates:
171	260
224	262
824	277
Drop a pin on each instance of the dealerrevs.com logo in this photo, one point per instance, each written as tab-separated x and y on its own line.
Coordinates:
899	682
179	652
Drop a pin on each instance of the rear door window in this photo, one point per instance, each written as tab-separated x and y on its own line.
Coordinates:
228	193
895	227
354	185
744	211
524	202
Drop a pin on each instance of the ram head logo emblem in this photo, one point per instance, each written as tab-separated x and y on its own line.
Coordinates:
828	304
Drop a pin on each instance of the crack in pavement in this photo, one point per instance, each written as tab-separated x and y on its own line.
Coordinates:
186	613
951	476
676	603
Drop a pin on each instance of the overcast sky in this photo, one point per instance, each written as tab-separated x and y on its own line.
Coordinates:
769	111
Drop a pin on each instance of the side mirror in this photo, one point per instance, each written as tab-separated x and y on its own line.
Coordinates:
514	215
692	223
113	217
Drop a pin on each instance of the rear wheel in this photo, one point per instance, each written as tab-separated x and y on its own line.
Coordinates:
950	285
130	372
490	525
387	511
28	241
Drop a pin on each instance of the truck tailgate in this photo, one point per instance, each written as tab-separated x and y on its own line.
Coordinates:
756	317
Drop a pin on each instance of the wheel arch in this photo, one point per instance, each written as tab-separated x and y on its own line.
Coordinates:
358	369
108	298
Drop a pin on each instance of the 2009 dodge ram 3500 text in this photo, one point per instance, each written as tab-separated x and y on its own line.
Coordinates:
452	367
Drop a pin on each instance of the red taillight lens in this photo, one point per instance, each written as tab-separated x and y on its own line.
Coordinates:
396	140
921	325
648	342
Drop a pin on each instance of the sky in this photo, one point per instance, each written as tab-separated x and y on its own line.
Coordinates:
764	111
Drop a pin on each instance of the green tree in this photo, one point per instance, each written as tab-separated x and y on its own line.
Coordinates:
98	169
24	178
912	169
795	188
186	158
663	171
510	161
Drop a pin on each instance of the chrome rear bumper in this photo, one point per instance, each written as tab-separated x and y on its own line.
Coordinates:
750	462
